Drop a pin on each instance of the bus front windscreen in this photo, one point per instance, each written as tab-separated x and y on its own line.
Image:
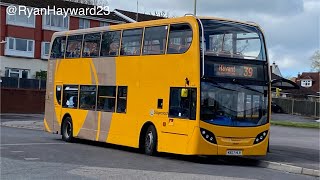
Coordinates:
236	105
233	40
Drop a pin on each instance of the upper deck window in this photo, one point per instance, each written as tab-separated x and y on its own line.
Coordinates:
180	37
110	43
227	39
131	42
91	45
58	48
155	40
74	46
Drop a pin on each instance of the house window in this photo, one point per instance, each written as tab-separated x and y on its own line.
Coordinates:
84	23
55	22
17	73
306	83
19	47
20	19
104	24
45	48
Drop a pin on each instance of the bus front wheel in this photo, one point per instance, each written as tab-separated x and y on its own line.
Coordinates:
150	141
67	130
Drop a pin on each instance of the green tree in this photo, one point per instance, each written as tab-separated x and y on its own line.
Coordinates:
315	64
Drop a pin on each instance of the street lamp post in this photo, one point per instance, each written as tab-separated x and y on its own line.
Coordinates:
195	8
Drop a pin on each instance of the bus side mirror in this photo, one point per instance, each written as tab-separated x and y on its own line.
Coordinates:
283	84
184	92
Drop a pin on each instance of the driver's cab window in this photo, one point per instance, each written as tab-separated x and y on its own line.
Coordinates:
182	103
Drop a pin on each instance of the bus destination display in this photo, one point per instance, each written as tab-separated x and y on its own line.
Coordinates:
242	71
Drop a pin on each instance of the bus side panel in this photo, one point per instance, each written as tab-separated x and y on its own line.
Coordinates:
50	119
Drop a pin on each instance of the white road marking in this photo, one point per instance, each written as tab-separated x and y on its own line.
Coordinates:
30	144
17	151
119	173
31	159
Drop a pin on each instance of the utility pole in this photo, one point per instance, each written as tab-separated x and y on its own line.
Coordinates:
137	10
195	8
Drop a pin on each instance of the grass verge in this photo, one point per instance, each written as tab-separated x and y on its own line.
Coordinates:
297	124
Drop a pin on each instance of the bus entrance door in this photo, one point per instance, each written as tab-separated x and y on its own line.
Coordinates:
179	123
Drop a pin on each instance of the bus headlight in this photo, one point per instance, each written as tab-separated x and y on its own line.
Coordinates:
207	135
260	137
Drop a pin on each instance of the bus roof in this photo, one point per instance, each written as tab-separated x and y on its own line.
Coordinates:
187	18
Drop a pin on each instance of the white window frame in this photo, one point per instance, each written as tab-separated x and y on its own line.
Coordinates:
11	20
306	83
102	24
84	20
17	71
54	28
43	50
14	52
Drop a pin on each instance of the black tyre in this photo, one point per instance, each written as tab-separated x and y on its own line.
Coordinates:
67	130
150	141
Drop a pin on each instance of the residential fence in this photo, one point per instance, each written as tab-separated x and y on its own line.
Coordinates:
298	106
11	82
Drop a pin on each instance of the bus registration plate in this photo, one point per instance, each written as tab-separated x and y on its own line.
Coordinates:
234	152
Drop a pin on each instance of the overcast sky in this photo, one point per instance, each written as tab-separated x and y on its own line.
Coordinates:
292	27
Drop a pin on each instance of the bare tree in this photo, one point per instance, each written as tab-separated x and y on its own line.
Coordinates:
315	58
91	2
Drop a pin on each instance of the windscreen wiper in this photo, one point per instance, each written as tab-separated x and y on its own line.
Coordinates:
218	85
246	86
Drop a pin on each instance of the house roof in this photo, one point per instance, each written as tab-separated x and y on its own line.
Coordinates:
315	76
62	4
141	16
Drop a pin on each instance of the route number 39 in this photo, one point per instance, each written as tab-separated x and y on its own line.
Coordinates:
248	71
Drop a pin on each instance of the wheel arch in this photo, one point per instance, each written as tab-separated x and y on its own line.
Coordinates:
143	132
63	119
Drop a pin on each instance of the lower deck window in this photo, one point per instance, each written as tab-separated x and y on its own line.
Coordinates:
70	96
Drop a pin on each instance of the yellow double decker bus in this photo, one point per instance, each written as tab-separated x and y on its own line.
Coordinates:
188	85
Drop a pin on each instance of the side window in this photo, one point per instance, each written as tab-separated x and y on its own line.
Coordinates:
106	98
110	43
74	44
155	39
180	38
58	94
70	96
182	103
91	45
122	99
88	97
58	48
131	42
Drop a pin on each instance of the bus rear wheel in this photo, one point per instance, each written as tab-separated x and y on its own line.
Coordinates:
67	130
150	141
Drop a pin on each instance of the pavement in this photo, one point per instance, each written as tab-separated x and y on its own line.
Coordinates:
294	150
292	118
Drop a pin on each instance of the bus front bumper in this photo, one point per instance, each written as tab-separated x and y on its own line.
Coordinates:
200	146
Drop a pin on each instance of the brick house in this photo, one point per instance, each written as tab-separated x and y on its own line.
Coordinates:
25	42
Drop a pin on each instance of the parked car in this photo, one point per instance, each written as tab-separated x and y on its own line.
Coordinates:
276	108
